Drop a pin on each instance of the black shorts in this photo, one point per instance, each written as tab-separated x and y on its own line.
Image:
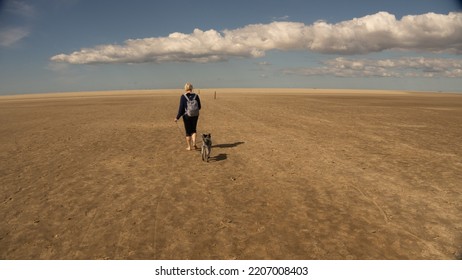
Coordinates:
190	124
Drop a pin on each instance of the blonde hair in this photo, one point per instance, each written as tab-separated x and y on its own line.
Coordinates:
188	86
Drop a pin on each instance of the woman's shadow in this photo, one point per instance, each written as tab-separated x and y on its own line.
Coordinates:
224	156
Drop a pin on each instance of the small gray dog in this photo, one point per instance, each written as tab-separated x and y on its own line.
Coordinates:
206	146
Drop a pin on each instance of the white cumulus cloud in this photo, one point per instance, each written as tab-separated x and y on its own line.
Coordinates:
373	33
399	67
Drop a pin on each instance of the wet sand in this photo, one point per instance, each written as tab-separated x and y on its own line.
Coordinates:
294	174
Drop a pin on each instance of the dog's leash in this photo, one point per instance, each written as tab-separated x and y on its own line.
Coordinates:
179	129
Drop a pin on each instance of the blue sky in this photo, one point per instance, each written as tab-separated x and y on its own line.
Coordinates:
82	45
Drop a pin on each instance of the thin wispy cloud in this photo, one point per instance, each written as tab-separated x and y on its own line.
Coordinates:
20	8
264	63
373	33
10	36
400	67
283	18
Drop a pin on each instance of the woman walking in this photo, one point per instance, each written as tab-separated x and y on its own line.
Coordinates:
190	104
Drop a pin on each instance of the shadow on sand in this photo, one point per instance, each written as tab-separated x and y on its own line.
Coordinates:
223	156
219	157
232	145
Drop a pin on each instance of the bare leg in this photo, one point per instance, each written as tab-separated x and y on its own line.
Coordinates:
188	142
193	136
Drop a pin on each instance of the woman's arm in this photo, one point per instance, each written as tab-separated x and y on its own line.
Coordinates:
181	108
198	101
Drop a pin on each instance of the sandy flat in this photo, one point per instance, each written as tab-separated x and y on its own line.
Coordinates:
294	174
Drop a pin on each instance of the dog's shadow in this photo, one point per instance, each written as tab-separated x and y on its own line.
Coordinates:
223	156
231	145
219	157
